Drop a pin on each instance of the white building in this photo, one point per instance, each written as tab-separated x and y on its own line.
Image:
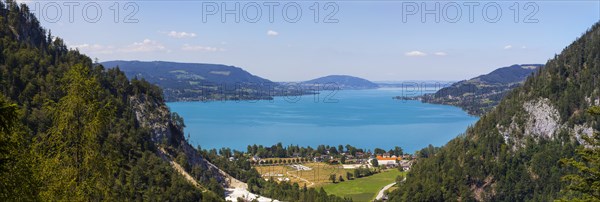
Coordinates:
390	161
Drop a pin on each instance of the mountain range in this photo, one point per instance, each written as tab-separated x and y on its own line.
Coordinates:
343	82
198	81
480	94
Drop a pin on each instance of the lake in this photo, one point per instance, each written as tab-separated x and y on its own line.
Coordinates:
363	118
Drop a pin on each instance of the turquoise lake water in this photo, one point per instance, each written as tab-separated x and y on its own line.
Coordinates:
362	118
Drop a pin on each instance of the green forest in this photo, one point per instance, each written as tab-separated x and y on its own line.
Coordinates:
69	132
490	163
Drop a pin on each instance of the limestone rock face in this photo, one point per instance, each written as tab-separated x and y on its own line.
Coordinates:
543	119
156	116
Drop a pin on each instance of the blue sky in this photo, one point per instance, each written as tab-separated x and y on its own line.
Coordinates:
377	40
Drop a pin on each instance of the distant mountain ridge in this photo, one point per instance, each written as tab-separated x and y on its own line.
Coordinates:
507	75
164	72
201	81
342	82
197	81
480	94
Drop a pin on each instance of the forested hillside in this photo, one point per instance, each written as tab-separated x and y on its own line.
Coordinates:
335	82
480	94
71	130
196	81
513	153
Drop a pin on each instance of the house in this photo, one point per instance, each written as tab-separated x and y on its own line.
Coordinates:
255	158
317	159
326	157
359	155
389	161
322	158
405	164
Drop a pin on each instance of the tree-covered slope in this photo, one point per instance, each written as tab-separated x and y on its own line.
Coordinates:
71	130
480	94
196	81
512	153
341	82
507	75
166	73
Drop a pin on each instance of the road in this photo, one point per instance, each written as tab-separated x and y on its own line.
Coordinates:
380	194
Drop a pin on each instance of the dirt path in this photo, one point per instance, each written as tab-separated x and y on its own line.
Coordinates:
231	181
165	156
305	180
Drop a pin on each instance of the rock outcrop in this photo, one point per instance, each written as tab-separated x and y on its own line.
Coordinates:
155	115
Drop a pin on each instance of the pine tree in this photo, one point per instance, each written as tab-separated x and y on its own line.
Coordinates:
587	179
17	183
73	167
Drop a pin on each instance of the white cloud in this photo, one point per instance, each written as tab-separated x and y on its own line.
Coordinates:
272	33
507	47
180	35
440	53
187	47
145	46
523	47
93	48
415	54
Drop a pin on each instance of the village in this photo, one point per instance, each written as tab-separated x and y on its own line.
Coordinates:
319	169
359	159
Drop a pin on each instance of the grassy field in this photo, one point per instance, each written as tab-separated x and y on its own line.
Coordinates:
317	176
363	189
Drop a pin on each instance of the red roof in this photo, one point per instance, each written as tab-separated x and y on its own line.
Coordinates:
388	158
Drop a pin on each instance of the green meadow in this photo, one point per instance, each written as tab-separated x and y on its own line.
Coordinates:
363	189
